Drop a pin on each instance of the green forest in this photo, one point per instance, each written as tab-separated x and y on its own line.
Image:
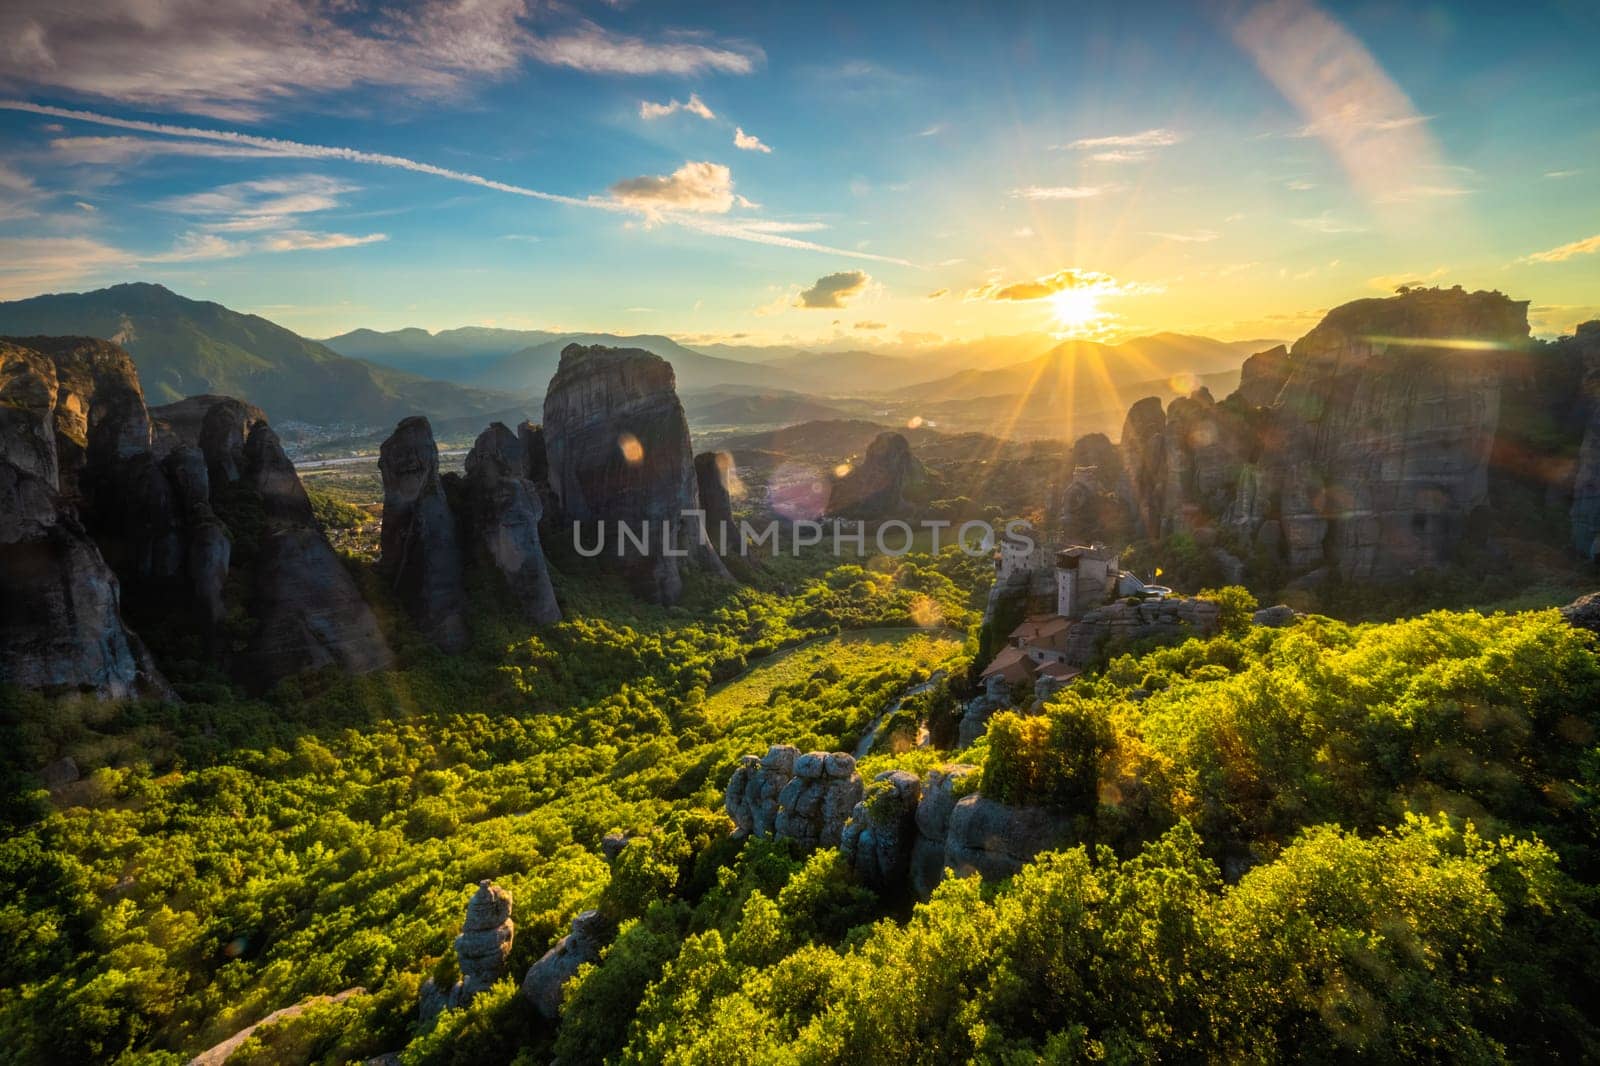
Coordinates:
1369	841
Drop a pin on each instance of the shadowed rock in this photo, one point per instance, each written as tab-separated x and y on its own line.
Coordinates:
504	518
618	449
815	804
481	950
307	610
421	553
878	839
888	482
545	978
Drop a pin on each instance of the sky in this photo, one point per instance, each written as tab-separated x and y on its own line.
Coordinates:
870	175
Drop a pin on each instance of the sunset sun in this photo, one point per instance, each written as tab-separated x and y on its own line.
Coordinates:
1075	308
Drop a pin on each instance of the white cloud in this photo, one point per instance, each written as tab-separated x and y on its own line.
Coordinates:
120	150
695	106
1586	246
1391	282
1154	138
1121	155
1062	280
264	204
932	131
1300	186
1060	192
734	230
748	141
232	58
705	188
1023	232
302	241
834	290
1558	174
1326	223
19	196
31	265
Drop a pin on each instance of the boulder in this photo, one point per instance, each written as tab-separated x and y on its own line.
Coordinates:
751	797
421	554
504	513
816	802
888	482
545	978
618	448
1120	623
28	393
1276	616
1584	612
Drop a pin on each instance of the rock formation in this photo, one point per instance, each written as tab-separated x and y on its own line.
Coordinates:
61	628
1585	511
938	800
307	610
877	840
995	840
1363	450
888	482
618	449
1584	612
481	950
504	510
814	806
536	466
421	555
545	978
1123	623
751	797
714	475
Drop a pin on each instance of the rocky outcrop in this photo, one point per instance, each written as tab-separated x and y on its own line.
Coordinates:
1262	377
61	628
1585	510
618	449
878	839
937	802
536	466
481	950
714	476
751	797
1121	623
996	840
217	425
504	511
814	806
1275	617
543	983
421	554
1363	450
1584	612
888	482
307	611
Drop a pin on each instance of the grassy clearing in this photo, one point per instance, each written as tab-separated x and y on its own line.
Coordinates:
921	647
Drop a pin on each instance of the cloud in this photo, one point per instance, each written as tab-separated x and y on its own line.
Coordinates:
84	205
1558	174
594	50
119	150
1120	155
1326	223
938	294
1154	138
232	58
732	230
1023	232
1061	281
1198	236
1412	193
302	241
1300	186
748	141
1060	192
248	205
871	325
1586	246
31	265
932	131
705	188
834	290
776	226
1391	282
19	196
695	106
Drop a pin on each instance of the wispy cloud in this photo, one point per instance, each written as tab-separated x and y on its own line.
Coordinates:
748	141
232	59
1327	223
1558	174
938	294
871	326
30	265
1300	186
1586	246
1391	282
730	229
1198	236
834	290
19	196
1060	192
1152	138
695	106
932	131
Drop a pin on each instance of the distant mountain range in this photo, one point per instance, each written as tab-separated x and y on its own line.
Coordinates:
187	347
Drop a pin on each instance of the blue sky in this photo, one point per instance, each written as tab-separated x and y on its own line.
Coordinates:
944	171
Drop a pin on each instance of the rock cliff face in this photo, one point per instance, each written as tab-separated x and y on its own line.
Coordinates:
1364	449
618	450
421	553
504	513
901	832
888	482
542	984
714	476
1164	620
1585	511
307	610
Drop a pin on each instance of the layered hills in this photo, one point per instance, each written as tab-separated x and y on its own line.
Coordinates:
190	347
